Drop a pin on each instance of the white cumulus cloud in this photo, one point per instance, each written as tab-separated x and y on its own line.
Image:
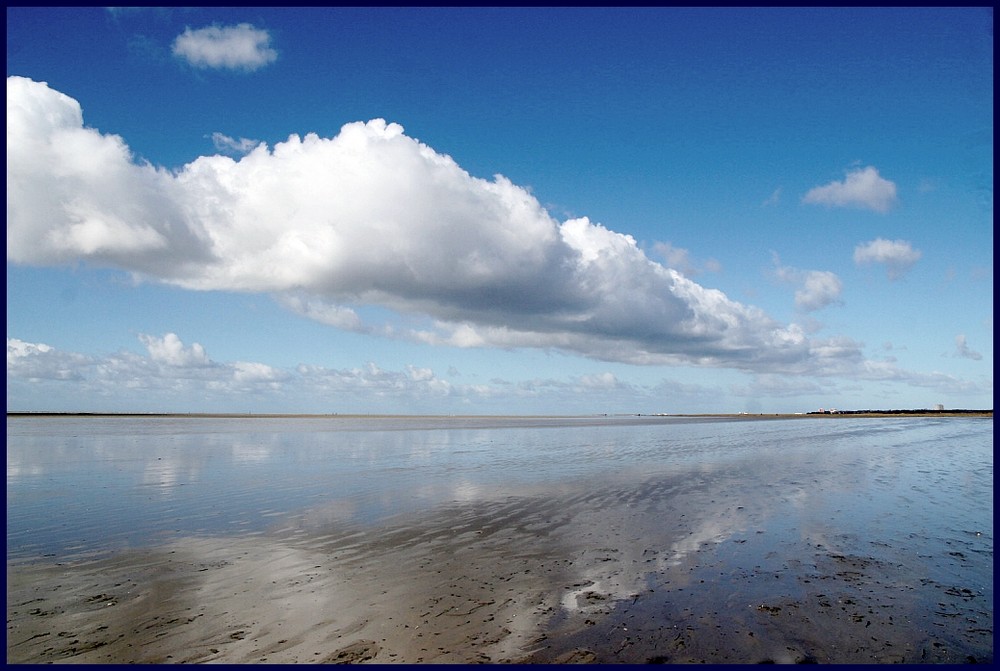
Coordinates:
898	256
239	47
171	351
253	372
370	217
38	361
817	288
863	188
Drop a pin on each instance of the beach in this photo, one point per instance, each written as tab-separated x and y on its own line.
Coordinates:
766	553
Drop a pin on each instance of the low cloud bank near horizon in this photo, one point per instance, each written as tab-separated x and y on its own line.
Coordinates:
176	377
374	217
181	377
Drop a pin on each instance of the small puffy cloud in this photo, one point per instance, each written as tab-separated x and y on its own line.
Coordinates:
774	198
863	188
419	374
963	350
18	349
239	47
818	288
170	350
245	372
897	255
233	146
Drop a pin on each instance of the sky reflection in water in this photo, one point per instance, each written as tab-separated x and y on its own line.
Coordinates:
98	484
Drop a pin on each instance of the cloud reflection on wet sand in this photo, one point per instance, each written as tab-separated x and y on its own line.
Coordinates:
767	555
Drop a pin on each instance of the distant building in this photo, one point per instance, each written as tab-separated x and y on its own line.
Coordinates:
939	407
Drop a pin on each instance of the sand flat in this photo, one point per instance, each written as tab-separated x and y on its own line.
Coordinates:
580	578
849	555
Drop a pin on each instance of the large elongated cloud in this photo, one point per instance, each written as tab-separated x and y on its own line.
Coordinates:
371	216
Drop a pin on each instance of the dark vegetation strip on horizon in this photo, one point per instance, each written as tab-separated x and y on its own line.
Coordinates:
926	411
872	413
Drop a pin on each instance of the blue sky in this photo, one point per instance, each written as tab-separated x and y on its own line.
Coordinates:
499	211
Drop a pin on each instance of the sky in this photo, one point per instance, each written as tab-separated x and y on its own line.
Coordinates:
499	211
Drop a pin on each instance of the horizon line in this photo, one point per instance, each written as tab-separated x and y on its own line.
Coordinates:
265	415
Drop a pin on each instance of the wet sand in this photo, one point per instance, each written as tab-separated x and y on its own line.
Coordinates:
707	567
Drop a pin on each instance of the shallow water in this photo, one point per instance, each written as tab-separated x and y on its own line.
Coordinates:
619	539
95	484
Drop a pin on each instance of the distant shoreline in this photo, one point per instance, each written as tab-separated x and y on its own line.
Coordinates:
742	415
